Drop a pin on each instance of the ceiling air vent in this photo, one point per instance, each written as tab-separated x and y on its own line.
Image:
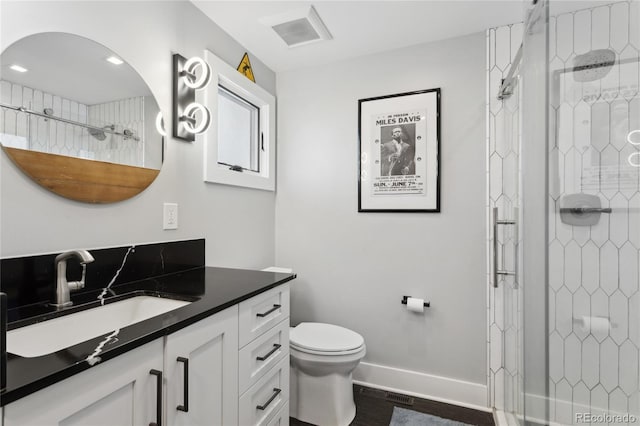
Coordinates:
298	27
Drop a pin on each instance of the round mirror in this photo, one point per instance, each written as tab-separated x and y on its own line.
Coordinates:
78	119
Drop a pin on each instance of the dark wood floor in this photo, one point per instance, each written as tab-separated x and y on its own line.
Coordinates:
374	408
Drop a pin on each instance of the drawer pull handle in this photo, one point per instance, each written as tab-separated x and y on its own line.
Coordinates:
276	346
276	392
185	395
264	314
158	375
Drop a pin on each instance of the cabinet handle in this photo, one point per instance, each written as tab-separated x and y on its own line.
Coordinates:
158	375
264	314
185	395
276	392
276	346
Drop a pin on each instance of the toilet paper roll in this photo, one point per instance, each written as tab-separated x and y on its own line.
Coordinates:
415	305
594	324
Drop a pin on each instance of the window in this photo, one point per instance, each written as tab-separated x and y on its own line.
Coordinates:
240	145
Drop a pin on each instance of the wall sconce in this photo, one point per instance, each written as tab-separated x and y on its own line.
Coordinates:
186	80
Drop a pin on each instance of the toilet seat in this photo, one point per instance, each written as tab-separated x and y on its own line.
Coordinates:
325	339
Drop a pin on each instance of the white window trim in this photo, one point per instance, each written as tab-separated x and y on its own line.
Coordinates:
232	80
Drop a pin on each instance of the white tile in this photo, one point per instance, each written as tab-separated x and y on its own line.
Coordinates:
552	309
609	268
510	173
590	362
556	357
634	404
628	368
634	319
496	348
634	24
565	128
555	187
609	365
600	125
619	35
564	396
552	400
609	182
634	222
556	265
510	351
572	359
629	269
599	401
564	34
581	235
564	232
499	389
619	317
599	308
516	38
572	266
581	399
619	221
582	32
492	48
502	139
552	217
620	116
564	319
590	267
552	37
503	48
600	232
495	79
495	180
629	72
581	308
600	28
618	403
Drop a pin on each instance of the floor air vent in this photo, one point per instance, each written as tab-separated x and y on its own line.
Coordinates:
388	396
400	399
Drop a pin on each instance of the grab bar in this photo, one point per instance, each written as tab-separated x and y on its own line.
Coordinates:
585	210
496	269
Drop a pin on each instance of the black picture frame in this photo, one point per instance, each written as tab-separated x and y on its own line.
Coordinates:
399	153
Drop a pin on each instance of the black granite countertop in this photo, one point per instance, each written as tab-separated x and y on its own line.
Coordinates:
211	290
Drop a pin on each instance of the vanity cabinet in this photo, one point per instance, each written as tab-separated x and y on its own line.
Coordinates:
122	391
263	355
231	368
201	367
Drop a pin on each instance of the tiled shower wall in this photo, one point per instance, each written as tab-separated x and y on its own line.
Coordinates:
593	270
22	130
503	306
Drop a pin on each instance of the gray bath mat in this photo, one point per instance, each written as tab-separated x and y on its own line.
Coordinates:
404	417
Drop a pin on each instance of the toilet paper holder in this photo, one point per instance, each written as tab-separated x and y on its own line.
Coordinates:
404	301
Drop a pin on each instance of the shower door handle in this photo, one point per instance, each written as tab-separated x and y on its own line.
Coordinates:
496	269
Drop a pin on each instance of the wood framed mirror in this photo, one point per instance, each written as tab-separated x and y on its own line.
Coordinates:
77	119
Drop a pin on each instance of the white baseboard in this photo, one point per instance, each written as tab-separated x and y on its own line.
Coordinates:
421	385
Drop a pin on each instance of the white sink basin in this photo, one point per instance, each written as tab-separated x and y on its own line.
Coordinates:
53	335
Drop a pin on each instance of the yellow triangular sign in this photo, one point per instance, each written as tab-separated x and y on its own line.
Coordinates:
245	68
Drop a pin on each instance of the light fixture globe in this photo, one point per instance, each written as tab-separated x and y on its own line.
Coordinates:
189	76
189	118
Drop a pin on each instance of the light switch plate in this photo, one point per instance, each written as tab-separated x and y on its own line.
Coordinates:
170	216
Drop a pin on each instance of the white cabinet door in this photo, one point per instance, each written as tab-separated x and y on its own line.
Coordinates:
208	350
122	392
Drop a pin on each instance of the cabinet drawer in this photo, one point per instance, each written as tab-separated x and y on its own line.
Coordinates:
260	404
257	358
282	418
262	312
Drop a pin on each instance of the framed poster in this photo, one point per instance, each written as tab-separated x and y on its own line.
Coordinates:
399	169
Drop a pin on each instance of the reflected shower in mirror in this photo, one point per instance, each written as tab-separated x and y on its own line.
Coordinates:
68	101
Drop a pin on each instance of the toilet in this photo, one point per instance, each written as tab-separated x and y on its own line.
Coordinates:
323	356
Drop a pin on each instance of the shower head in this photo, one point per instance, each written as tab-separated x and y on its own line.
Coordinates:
100	134
593	65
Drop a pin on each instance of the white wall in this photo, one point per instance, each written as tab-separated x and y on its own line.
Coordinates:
237	223
355	267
